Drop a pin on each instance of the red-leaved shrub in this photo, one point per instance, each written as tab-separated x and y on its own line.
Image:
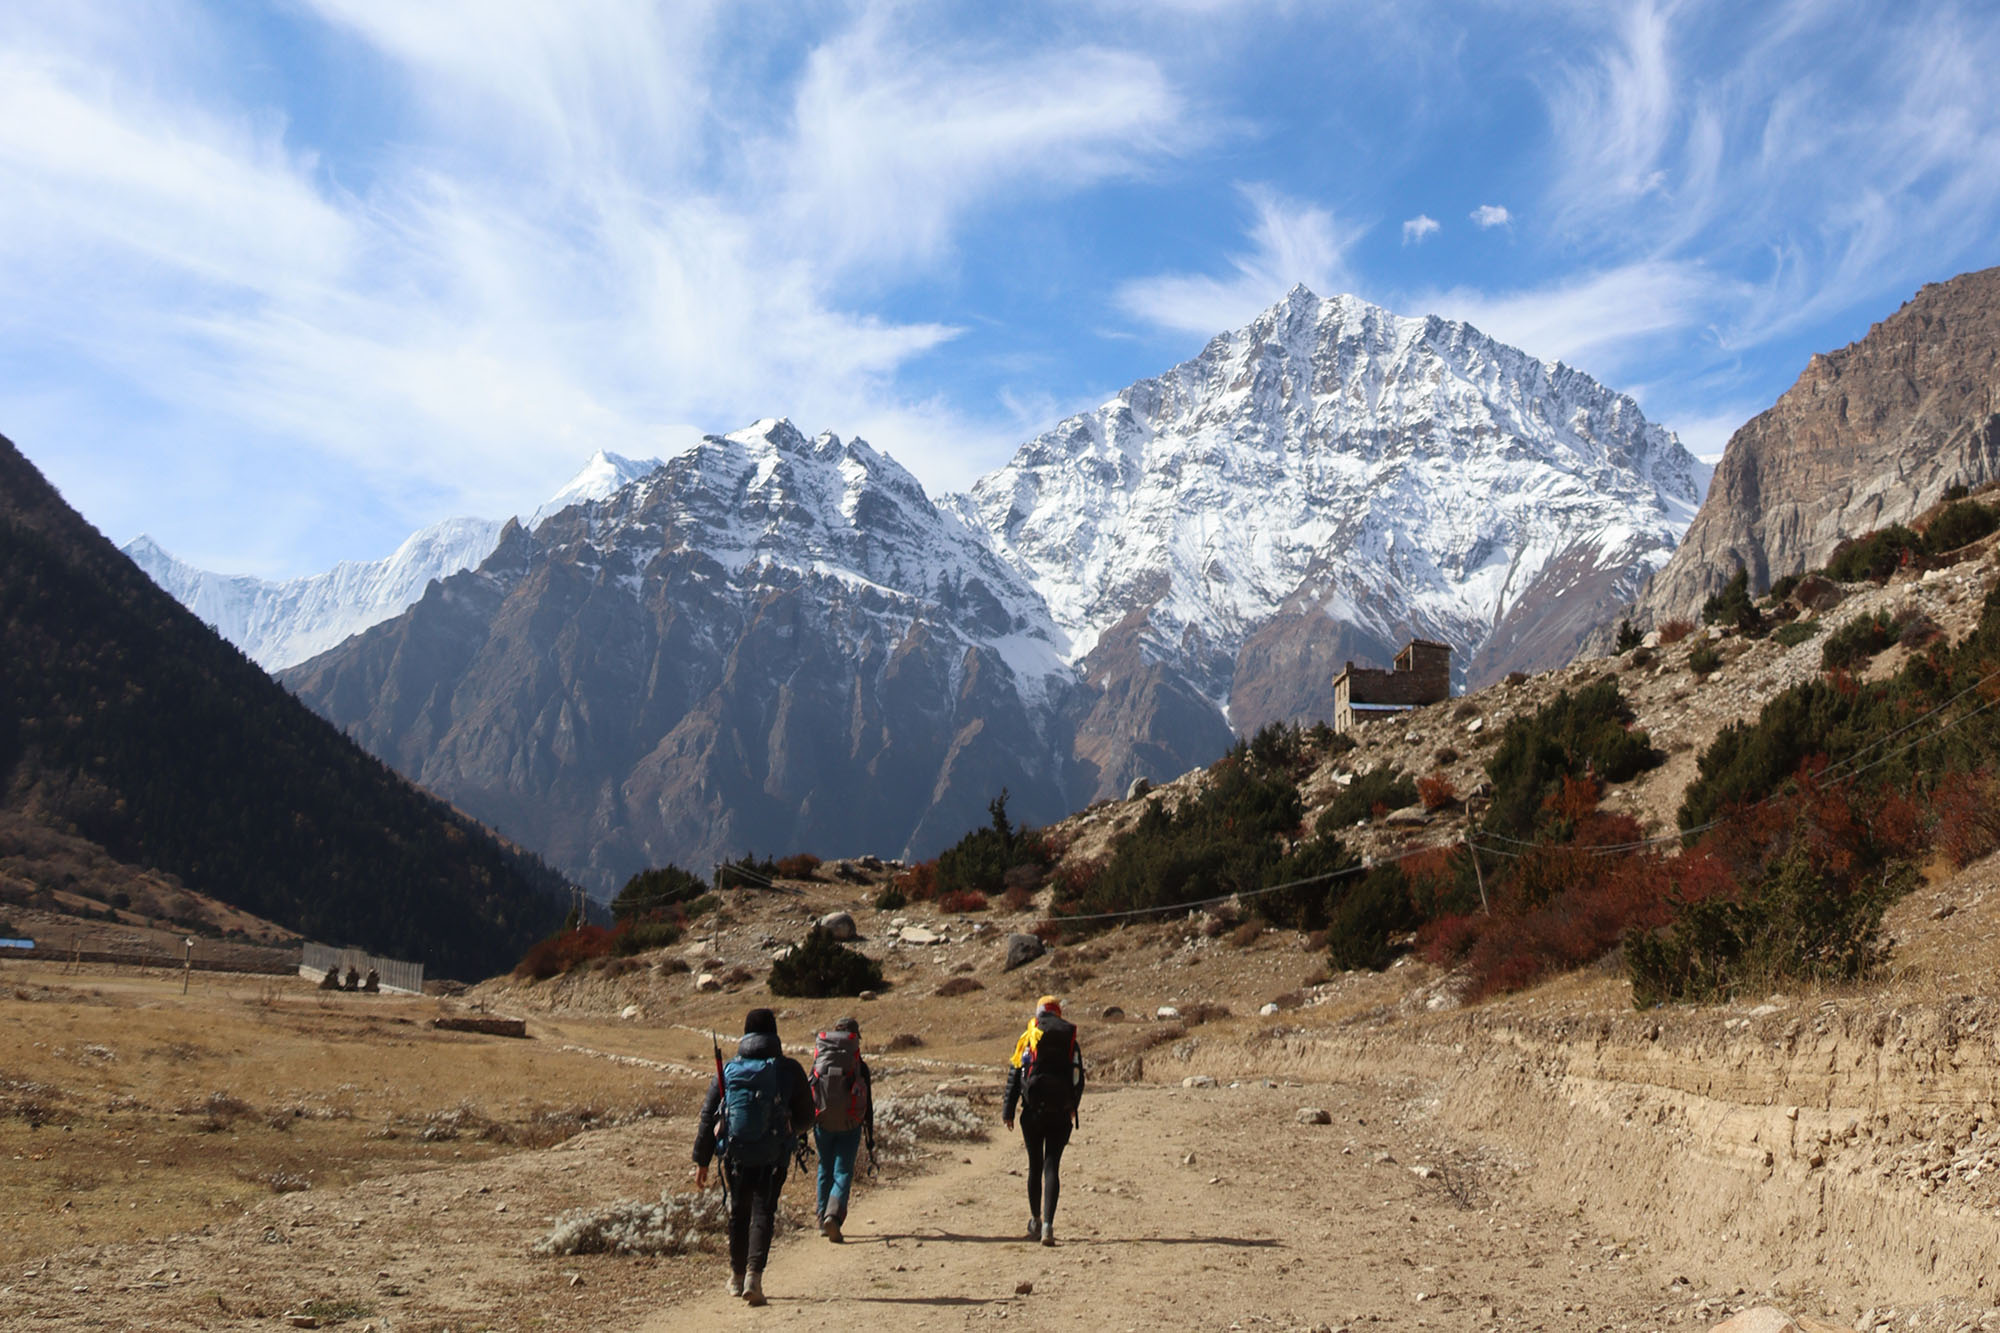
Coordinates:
559	953
962	900
800	865
1436	791
919	883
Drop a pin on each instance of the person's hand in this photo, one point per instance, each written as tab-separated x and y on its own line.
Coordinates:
701	1177
1007	1122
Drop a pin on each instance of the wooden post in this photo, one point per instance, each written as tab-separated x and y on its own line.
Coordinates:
187	967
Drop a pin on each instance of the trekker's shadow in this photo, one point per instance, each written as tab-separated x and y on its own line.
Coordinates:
952	1237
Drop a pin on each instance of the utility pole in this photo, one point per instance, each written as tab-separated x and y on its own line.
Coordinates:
187	967
1472	849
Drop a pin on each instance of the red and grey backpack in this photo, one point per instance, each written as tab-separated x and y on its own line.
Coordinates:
840	1098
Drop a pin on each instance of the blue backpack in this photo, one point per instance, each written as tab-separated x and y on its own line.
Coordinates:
756	1130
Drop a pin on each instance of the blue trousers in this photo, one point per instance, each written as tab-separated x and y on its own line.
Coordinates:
837	1149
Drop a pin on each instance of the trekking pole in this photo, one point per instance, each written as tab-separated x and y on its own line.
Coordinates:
869	1130
722	1094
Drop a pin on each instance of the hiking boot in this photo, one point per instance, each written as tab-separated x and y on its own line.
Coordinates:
1034	1228
832	1230
735	1284
1048	1233
753	1289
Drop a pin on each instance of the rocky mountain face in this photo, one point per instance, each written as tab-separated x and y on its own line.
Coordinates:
776	643
771	643
1871	434
281	623
1216	542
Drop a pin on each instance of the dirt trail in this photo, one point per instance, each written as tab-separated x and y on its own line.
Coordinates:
1272	1224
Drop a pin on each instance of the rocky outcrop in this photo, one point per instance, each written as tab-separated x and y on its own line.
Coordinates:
1872	434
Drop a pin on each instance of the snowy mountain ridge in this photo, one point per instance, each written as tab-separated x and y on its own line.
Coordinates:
1400	475
279	623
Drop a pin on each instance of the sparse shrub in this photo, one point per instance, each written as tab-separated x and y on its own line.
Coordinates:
822	967
1733	605
799	865
901	1123
1246	934
1795	633
1436	791
1443	755
1589	729
733	977
1860	639
656	891
696	1221
1783	587
1017	898
962	900
564	951
891	899
1959	524
1674	630
637	936
1705	660
1968	818
1370	795
904	1041
1875	556
957	986
1629	636
918	884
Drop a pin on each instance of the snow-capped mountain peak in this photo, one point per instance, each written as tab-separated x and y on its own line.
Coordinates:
603	475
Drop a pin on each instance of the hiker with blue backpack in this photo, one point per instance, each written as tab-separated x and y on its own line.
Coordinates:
757	1109
1045	1081
844	1105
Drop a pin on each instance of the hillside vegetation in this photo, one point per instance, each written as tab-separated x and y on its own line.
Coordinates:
127	722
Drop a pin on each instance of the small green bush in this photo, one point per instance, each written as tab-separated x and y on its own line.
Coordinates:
1364	914
1588	730
1783	587
822	967
1629	636
1797	924
891	899
1958	524
653	890
1797	632
1875	556
1858	640
1733	605
1383	789
1705	660
637	936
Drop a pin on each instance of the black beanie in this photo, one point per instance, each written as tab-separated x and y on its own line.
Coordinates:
760	1020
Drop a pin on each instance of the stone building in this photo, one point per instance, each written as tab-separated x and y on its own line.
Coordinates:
1422	675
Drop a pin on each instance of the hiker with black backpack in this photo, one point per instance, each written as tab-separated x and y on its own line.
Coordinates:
757	1109
1045	1080
844	1107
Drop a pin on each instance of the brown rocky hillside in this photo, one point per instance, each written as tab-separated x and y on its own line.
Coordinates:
1871	434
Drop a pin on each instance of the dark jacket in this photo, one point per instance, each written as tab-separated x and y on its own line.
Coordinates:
1014	1075
792	1086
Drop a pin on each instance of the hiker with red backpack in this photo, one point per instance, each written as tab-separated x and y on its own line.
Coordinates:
1045	1080
844	1105
757	1108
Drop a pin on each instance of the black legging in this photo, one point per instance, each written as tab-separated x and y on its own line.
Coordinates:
753	1204
1046	1140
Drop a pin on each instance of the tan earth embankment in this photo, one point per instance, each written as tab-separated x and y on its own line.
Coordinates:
1838	1149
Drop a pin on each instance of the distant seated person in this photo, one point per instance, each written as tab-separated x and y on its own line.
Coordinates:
331	981
353	978
373	985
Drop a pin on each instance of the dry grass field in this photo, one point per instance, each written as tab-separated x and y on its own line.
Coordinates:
128	1109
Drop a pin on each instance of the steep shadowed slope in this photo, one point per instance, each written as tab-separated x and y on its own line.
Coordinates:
125	720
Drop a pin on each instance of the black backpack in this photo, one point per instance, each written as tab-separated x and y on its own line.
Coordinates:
1048	1084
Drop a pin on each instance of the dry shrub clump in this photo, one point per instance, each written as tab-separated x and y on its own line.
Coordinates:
1436	791
561	952
904	1041
918	884
962	900
901	1123
1019	898
959	986
1247	933
1673	631
802	865
1968	821
685	1223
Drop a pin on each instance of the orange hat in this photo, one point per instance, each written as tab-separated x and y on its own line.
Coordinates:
1049	1004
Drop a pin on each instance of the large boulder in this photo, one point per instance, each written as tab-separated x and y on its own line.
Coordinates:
1021	950
839	925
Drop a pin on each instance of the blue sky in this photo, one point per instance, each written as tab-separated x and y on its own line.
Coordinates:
280	283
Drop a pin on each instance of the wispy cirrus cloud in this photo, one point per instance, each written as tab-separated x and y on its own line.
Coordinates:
572	246
1288	243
